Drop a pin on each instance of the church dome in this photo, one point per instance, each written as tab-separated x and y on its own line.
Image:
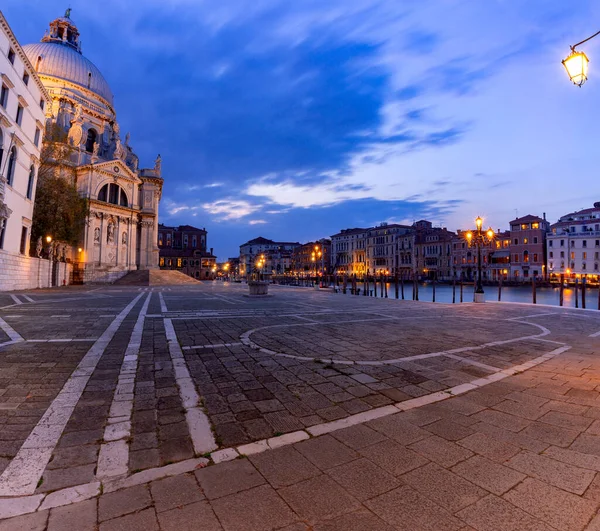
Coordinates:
59	55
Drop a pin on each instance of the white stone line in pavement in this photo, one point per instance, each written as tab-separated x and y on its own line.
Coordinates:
306	319
26	468
197	421
81	340
531	316
28	298
218	345
114	452
16	299
14	336
163	305
549	341
245	339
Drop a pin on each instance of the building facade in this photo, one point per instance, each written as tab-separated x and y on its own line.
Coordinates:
306	260
349	252
121	233
573	245
432	255
183	249
276	254
382	248
528	247
23	102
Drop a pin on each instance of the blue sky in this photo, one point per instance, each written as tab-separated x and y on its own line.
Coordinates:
292	120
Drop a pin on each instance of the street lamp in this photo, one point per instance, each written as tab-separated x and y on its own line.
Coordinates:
576	63
478	238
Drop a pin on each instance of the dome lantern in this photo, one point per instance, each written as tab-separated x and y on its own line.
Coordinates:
63	31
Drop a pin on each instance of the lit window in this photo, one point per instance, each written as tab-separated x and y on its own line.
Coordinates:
161	262
524	226
179	261
535	225
525	241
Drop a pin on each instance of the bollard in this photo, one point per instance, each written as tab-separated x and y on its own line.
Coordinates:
500	288
416	290
533	290
599	296
396	284
461	291
583	293
433	295
561	294
402	288
454	291
365	286
576	293
385	286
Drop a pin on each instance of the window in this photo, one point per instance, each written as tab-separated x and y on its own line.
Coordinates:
597	243
562	254
584	256
562	243
42	104
168	239
91	140
572	256
516	257
19	117
584	243
1	148
11	56
572	243
535	225
114	194
516	241
525	241
551	254
2	232
4	96
185	240
550	243
194	242
25	78
526	256
524	226
161	262
31	181
535	240
160	240
36	138
23	248
179	262
535	257
583	266
12	163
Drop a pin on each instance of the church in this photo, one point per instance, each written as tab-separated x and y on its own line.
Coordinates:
121	232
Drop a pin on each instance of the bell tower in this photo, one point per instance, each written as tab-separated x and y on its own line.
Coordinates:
63	31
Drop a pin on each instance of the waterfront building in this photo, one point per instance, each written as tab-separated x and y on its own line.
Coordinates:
528	247
432	251
278	255
183	248
499	259
495	257
404	254
121	233
302	258
23	100
382	256
348	252
573	244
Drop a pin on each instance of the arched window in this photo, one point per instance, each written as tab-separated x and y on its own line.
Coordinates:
31	181
12	163
525	256
91	140
89	79
114	194
38	63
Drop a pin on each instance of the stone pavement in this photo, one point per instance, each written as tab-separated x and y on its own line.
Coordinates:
199	408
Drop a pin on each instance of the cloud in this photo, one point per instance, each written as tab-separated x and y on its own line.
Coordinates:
257	222
229	209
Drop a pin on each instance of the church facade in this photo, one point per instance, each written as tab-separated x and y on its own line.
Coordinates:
121	232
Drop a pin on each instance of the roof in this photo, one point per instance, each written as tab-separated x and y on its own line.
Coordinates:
180	228
265	241
168	252
526	219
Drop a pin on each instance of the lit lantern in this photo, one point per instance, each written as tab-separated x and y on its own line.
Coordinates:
576	65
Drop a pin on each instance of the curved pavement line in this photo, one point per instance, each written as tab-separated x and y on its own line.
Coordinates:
20	505
245	339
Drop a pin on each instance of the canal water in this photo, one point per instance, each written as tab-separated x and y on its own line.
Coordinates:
443	294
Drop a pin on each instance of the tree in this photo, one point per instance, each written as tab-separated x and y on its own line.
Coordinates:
59	210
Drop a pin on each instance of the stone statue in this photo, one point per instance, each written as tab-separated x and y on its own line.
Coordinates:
63	253
110	233
119	150
127	137
78	116
96	149
124	238
116	129
97	234
68	13
76	131
158	164
39	246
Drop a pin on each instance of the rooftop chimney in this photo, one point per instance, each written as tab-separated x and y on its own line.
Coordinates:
211	250
544	216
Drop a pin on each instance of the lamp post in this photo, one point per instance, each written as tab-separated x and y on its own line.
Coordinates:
317	253
576	63
479	238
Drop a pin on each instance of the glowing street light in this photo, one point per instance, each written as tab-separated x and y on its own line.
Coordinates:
576	63
478	238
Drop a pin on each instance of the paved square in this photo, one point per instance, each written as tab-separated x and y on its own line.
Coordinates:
97	385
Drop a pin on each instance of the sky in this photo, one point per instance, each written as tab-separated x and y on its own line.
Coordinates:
294	120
